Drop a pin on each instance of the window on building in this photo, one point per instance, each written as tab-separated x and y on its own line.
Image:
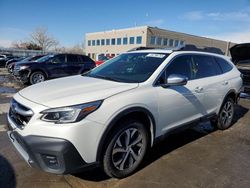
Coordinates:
107	41
165	42
171	42
93	42
113	41
131	40
102	42
182	42
98	42
89	54
159	39
125	41
152	40
119	41
176	43
89	42
138	39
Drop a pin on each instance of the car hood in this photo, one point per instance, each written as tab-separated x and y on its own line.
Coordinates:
240	52
73	90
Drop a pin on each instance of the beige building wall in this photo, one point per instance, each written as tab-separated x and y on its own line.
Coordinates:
186	38
150	36
115	34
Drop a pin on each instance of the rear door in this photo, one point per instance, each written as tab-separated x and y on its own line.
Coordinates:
207	73
73	66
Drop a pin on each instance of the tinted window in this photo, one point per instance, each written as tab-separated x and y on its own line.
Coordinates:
103	42
181	65
152	40
119	41
72	59
107	41
98	42
138	40
131	40
113	41
204	66
165	42
159	39
171	42
125	40
225	66
85	59
58	59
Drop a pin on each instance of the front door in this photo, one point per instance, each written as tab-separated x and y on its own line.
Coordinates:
179	104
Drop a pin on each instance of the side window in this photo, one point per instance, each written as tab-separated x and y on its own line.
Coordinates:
72	59
181	65
85	59
225	66
204	66
58	59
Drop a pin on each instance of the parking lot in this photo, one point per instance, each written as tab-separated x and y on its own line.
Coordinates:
198	157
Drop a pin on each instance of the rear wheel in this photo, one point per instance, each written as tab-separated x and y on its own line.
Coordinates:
126	149
37	77
225	116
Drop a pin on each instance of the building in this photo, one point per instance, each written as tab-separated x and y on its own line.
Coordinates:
118	41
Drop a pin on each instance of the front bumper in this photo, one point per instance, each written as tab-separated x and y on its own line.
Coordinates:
54	155
22	75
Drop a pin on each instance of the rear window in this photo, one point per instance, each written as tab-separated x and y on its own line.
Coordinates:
225	66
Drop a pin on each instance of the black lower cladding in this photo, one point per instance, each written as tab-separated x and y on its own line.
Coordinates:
52	155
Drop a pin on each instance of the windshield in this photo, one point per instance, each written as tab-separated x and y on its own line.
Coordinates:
44	58
130	67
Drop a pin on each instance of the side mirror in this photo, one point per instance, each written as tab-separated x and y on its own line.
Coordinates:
175	80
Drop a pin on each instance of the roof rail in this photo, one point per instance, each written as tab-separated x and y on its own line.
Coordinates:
140	48
192	47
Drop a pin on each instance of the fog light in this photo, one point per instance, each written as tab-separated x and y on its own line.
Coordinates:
50	160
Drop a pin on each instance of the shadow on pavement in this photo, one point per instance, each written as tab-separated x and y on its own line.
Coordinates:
7	174
170	143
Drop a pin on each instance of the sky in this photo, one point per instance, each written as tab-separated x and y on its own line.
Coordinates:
69	20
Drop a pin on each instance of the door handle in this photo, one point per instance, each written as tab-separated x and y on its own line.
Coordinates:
198	89
225	83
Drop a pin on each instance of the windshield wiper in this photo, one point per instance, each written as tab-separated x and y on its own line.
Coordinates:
104	77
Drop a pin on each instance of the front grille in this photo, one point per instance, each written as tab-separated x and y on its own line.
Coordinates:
19	114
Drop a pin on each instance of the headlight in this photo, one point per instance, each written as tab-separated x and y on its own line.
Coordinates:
24	67
70	114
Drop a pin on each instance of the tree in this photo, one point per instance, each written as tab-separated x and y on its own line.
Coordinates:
41	38
26	45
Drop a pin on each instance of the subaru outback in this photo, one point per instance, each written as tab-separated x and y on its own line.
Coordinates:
112	115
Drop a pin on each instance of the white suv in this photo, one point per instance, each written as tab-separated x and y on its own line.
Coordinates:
114	113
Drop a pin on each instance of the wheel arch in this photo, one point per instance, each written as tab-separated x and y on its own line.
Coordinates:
39	70
131	112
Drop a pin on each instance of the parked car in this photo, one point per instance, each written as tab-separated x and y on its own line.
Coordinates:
4	58
114	113
52	66
11	63
241	57
101	60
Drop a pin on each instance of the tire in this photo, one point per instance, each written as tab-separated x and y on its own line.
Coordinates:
37	77
122	157
225	117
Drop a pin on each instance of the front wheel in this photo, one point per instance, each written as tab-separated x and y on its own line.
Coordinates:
225	116
37	77
126	149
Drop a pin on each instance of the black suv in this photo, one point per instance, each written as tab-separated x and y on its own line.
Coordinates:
52	66
241	57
